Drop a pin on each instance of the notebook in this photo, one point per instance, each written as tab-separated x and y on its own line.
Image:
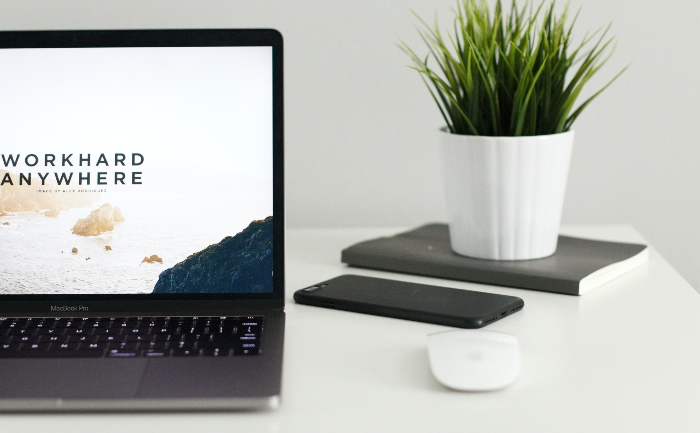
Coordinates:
578	266
141	220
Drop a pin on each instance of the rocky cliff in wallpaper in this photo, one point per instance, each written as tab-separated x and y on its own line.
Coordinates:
238	264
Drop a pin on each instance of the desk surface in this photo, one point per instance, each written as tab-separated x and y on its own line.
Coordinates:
624	357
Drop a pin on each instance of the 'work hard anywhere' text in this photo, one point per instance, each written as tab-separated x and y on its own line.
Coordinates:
70	160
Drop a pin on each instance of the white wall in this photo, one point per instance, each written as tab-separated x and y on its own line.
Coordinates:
360	127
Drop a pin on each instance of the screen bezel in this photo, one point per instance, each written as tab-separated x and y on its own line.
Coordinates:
173	303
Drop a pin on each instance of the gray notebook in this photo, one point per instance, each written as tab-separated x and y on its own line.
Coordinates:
578	266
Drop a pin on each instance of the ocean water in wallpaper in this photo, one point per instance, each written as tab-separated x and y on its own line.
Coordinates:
157	232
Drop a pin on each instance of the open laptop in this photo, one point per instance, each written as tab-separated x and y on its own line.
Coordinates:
141	219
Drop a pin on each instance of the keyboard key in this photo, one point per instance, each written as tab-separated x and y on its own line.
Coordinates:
246	352
215	352
132	345
155	353
122	353
223	346
97	323
50	331
76	331
153	323
222	337
53	338
186	322
107	331
108	338
136	331
96	346
9	346
185	352
163	337
126	323
130	338
21	331
248	346
35	323
156	346
67	323
64	346
247	339
34	346
184	345
200	327
20	323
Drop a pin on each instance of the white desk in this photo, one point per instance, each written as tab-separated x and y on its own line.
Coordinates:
624	357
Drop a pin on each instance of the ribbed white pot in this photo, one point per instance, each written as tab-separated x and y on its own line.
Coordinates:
505	194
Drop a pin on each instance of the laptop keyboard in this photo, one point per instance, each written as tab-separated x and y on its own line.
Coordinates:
128	337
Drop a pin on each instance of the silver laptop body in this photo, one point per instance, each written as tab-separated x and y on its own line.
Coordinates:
141	220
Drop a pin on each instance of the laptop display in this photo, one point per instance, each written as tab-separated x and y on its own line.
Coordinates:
136	170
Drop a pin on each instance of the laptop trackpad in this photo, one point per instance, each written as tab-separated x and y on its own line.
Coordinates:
71	378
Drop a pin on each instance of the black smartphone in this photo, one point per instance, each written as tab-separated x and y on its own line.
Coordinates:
410	301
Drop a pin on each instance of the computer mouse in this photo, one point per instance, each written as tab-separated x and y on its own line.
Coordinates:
474	360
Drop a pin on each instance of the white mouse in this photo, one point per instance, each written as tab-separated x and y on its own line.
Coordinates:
474	360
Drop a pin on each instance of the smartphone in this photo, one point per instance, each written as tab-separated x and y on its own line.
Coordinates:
410	301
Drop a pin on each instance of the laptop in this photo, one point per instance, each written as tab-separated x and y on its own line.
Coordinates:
141	220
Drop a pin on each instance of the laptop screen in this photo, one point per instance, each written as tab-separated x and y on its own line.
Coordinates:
136	170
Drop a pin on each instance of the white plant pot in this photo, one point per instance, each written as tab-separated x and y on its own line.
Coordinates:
505	194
